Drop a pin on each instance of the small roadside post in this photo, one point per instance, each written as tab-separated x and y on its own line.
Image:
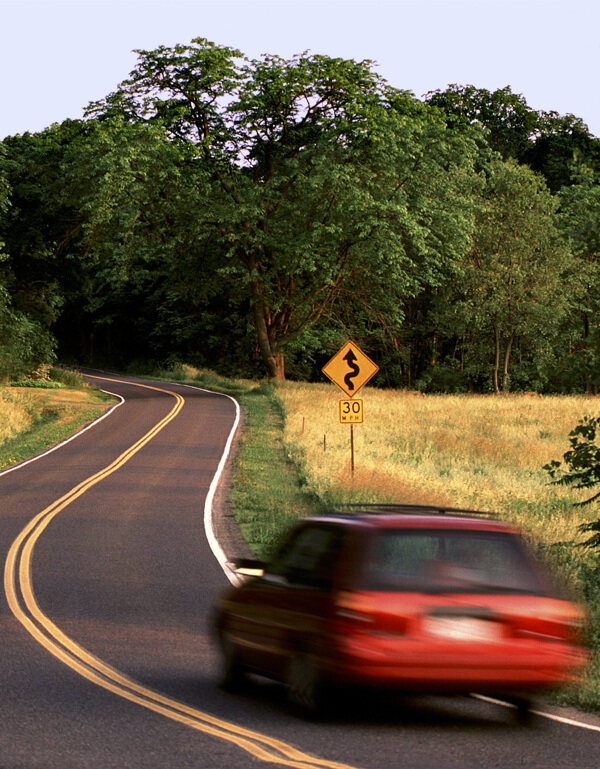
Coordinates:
350	369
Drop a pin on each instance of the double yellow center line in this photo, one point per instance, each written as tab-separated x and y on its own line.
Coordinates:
21	600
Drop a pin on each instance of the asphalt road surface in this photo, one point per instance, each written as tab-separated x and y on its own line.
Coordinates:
107	661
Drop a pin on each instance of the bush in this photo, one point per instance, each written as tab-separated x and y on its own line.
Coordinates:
67	377
44	384
24	343
583	469
444	378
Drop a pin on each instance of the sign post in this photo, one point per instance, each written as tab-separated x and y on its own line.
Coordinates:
350	369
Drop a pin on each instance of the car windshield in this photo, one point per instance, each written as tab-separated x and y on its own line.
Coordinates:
450	561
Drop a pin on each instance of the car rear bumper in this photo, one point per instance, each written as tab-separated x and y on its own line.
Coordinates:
413	665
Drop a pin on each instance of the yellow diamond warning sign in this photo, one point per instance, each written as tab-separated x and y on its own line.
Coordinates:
350	369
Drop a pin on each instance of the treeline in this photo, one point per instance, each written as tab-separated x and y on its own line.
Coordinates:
251	215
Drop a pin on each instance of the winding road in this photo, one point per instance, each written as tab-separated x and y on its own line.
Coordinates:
114	547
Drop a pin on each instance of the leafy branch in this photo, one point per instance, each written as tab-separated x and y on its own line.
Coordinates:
583	470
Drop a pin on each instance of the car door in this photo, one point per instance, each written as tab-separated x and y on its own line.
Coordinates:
291	602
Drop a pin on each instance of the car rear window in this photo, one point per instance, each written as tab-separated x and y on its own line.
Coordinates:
450	561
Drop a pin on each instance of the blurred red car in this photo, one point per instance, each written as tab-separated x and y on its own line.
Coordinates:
401	597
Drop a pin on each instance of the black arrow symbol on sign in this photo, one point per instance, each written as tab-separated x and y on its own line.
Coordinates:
351	358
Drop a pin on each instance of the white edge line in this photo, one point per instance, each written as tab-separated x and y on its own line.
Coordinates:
541	713
210	532
208	512
68	440
235	578
209	529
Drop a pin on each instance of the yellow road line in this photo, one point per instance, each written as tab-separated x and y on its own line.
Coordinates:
17	577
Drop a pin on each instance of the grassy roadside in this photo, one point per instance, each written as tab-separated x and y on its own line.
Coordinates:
268	490
469	451
33	419
282	471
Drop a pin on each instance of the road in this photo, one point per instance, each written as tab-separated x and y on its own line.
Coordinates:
107	658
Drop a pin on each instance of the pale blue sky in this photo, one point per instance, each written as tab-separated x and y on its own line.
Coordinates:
56	56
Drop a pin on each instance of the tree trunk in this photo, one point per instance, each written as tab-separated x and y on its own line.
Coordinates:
279	365
497	362
273	359
509	345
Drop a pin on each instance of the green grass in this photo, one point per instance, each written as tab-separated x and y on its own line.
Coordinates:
282	471
51	416
269	491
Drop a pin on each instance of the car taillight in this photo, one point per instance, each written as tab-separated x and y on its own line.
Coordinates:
566	629
354	615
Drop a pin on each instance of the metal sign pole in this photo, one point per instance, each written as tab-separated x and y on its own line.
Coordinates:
350	369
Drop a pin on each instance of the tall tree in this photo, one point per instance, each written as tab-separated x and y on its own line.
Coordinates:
137	195
319	177
29	293
42	223
512	287
507	121
562	147
579	221
549	143
4	196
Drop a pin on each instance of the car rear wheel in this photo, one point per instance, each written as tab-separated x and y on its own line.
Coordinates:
233	674
522	710
306	689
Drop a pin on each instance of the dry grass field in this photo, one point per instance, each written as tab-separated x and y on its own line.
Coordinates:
14	414
33	419
473	451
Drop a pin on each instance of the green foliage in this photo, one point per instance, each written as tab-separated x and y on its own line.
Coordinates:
504	117
43	384
315	177
583	469
510	292
67	377
251	215
549	143
563	144
24	343
578	220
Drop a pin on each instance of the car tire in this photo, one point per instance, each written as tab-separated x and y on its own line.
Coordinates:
306	689
233	674
523	714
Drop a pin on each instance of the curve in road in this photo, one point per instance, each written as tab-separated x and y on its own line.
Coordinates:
21	599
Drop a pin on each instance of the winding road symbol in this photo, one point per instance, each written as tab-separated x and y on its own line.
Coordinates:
350	357
350	369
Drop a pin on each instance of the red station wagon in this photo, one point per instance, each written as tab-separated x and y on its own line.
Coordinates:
409	598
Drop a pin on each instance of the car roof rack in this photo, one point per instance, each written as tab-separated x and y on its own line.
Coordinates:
383	508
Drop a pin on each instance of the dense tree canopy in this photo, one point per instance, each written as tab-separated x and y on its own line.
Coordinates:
547	142
317	175
512	287
253	214
29	300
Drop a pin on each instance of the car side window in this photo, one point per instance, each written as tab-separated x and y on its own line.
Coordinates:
309	557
